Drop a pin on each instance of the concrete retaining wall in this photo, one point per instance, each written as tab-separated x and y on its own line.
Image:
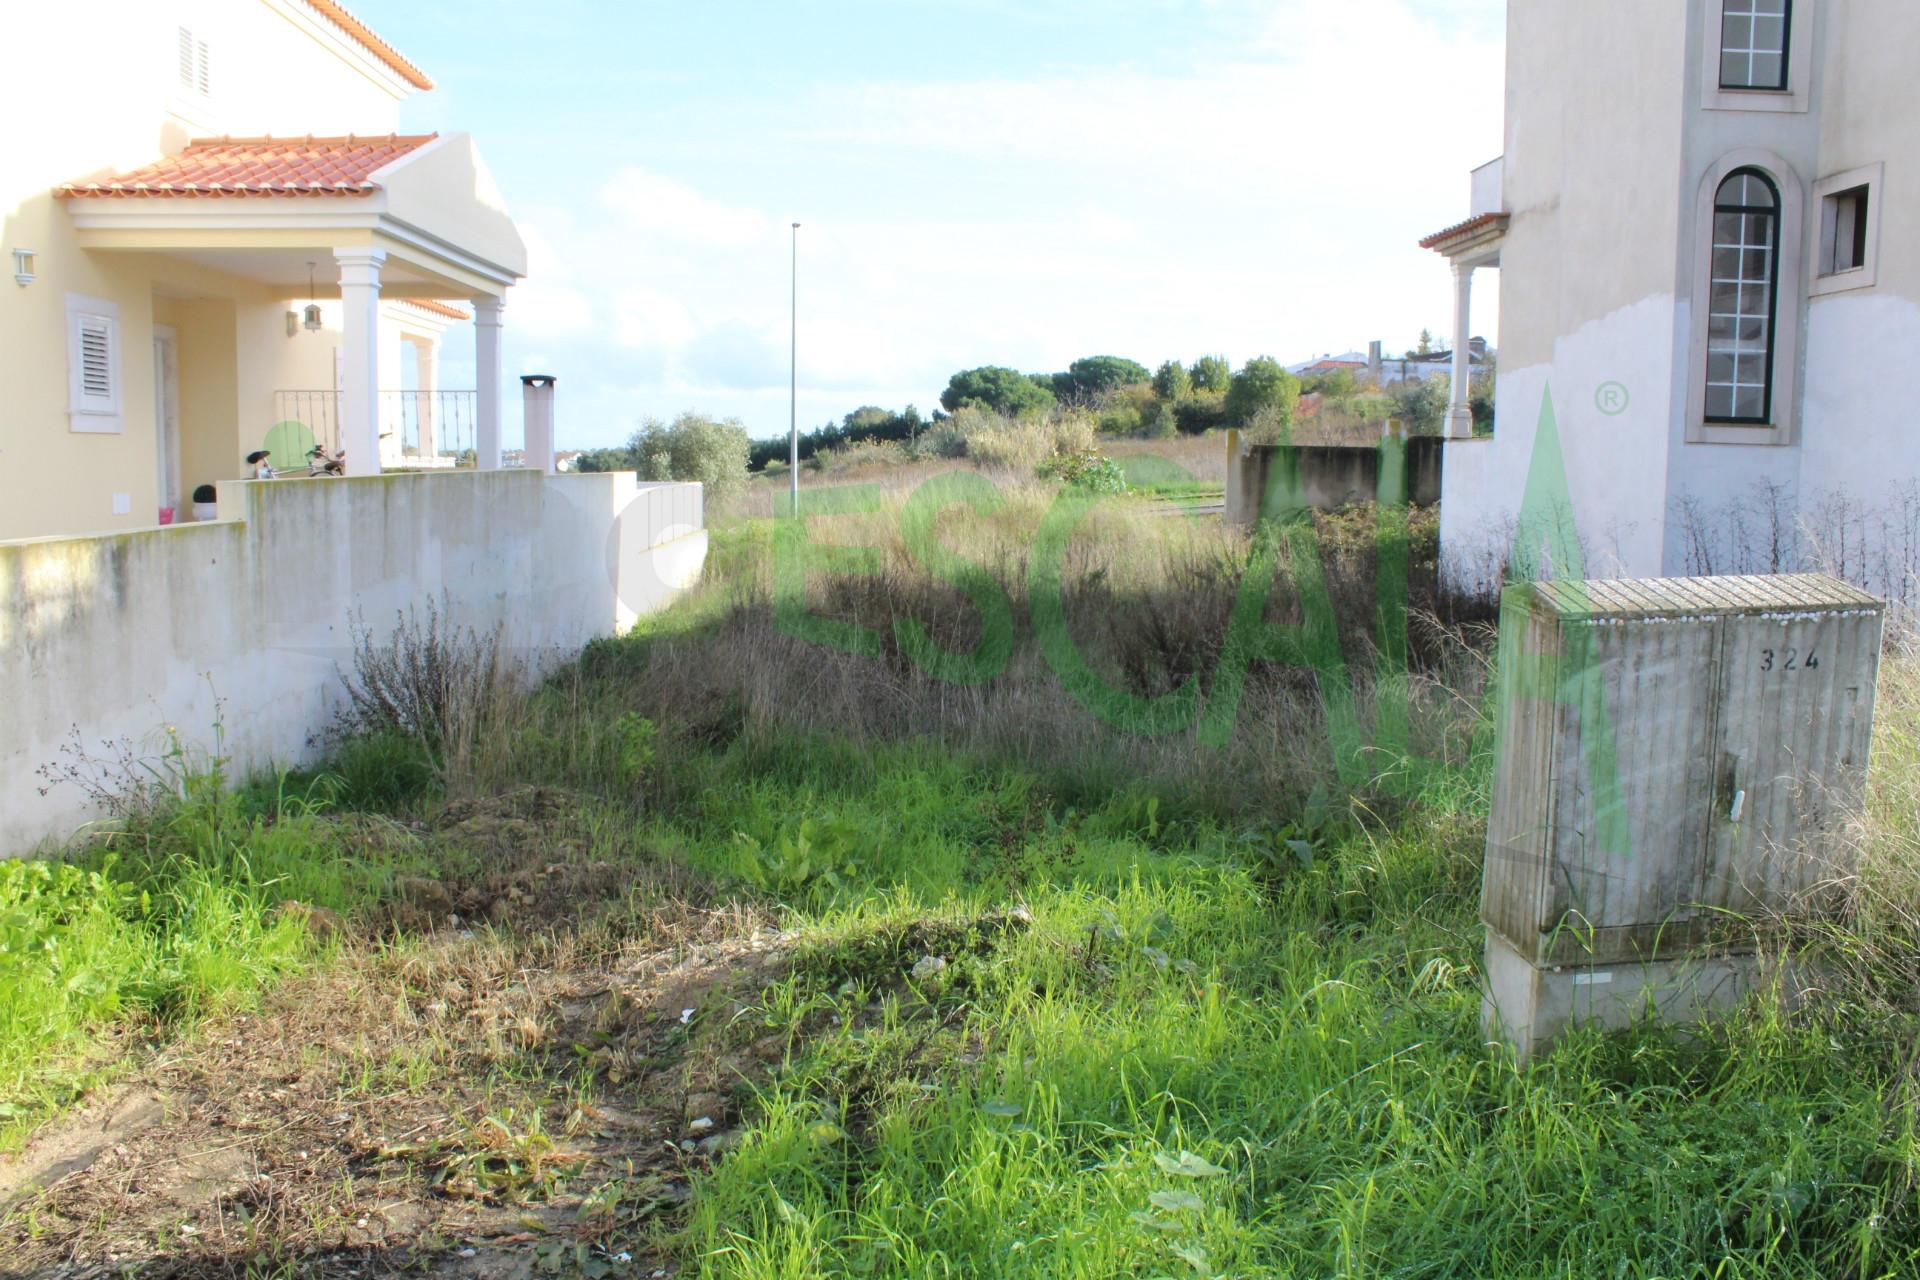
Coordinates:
1327	478
248	620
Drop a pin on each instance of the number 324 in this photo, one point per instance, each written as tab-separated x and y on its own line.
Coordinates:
1772	659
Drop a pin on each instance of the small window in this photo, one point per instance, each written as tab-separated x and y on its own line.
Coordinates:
1755	40
196	73
93	359
1846	254
1743	299
1843	231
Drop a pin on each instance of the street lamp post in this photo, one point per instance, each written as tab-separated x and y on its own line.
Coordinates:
793	390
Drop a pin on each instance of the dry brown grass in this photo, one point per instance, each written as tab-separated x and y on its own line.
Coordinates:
1148	602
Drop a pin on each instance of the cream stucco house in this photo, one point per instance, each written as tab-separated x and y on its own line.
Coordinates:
1707	225
218	242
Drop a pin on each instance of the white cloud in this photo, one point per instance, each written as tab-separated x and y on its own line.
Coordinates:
1265	203
648	319
653	204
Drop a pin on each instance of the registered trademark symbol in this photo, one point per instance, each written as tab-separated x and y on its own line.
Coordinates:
1612	399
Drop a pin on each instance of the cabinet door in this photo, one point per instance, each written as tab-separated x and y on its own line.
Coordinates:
1795	722
1633	780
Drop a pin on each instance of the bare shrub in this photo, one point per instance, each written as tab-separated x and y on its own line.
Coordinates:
1768	528
445	687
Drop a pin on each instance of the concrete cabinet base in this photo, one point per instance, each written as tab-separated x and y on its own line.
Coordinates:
1530	1006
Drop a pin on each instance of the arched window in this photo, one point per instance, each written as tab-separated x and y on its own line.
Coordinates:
1743	299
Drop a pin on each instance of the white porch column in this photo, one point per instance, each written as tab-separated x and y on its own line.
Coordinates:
360	363
428	388
486	367
1460	410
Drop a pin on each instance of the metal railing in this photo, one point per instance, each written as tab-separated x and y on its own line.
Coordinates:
432	428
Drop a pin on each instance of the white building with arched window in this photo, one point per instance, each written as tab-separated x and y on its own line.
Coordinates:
1707	230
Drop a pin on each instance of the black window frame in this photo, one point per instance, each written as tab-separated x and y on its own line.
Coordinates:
1777	214
1786	56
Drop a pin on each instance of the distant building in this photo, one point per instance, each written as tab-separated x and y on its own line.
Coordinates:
1387	371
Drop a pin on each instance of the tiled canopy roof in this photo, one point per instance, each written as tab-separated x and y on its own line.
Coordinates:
361	35
438	308
1459	230
232	167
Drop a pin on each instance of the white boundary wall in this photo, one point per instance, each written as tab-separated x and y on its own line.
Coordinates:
120	636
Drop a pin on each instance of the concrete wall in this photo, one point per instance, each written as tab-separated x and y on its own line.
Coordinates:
1327	477
121	635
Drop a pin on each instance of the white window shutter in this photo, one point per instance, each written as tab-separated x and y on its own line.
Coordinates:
93	355
196	66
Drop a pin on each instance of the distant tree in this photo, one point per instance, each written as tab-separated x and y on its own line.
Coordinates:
1262	385
1094	376
1421	404
1171	381
1212	373
1426	344
619	458
693	447
995	387
867	421
1197	415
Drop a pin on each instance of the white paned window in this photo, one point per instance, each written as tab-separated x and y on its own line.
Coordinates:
93	364
1754	40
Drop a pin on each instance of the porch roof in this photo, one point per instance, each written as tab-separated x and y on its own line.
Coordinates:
1477	240
265	208
239	167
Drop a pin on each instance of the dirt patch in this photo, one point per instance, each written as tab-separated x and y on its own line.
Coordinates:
479	1102
73	1147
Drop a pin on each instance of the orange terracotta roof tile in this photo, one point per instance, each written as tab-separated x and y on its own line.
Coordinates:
359	32
438	308
1460	229
231	167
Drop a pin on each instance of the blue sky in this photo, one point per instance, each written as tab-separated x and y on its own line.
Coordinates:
979	182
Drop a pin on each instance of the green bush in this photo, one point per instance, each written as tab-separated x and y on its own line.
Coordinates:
1087	469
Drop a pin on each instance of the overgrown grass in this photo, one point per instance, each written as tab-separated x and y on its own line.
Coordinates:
182	912
1190	1065
1065	1001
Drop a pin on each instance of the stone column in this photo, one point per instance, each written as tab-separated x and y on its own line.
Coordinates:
486	367
1460	410
360	359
